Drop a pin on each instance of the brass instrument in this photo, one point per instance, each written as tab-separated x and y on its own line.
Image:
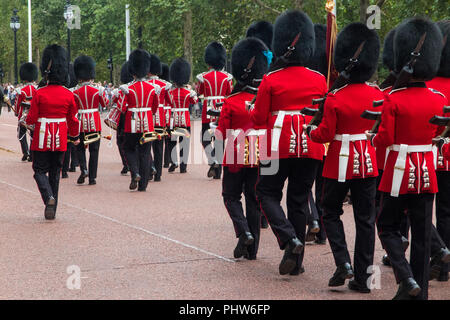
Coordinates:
181	132
94	137
148	137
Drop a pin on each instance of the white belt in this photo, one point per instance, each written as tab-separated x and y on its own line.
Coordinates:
43	128
250	133
344	154
400	165
84	111
136	111
215	98
180	109
278	126
167	108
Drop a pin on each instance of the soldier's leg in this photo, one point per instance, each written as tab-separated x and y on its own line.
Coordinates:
144	155
131	152
232	192
41	166
363	194
81	154
421	215
443	213
321	236
94	152
56	162
252	212
22	135
158	147
185	145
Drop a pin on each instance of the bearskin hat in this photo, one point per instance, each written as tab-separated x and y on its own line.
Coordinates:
125	76
319	60
262	30
59	66
444	69
348	42
155	65
287	27
407	37
165	72
28	72
84	68
241	57
72	79
139	63
216	55
388	50
180	72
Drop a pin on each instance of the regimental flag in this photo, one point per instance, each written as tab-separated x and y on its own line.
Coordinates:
331	40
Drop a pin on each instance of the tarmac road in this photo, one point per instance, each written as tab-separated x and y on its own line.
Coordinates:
175	241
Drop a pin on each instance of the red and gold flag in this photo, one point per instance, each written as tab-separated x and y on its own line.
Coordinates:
331	40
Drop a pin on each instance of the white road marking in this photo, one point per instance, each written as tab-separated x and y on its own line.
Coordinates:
125	224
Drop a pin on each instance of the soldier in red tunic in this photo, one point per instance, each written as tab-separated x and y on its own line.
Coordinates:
409	180
288	153
139	105
180	97
351	160
214	85
166	77
53	115
241	160
28	75
89	99
159	118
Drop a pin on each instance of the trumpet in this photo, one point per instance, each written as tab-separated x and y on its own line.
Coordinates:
181	132
149	137
94	137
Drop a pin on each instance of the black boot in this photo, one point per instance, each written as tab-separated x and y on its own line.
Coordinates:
246	239
386	261
82	178
290	258
342	273
50	209
134	182
264	222
124	171
407	290
172	168
358	287
211	171
437	263
313	229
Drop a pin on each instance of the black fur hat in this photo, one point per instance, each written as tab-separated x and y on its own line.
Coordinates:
155	65
165	72
180	72
388	51
125	76
216	55
139	63
84	68
444	69
287	27
59	67
262	30
28	72
319	60
348	42
407	37
242	54
72	79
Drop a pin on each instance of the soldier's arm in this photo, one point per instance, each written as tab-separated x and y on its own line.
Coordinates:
327	129
261	112
385	136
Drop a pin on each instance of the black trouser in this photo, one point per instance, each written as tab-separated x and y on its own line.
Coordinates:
166	152
213	148
363	196
300	174
94	150
121	140
319	198
184	150
158	152
70	157
138	157
443	210
22	136
420	212
47	163
233	184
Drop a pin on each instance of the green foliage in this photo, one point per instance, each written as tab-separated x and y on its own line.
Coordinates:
162	22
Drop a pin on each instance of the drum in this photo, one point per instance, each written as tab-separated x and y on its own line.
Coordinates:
113	118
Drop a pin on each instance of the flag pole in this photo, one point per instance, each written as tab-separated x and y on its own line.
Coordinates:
30	39
331	39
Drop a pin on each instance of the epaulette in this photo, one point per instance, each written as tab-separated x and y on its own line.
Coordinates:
338	89
124	89
437	92
275	71
18	91
397	90
315	71
200	77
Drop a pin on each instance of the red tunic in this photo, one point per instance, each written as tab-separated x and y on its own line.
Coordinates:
446	151
53	112
290	90
242	149
159	117
179	100
139	104
342	116
381	153
88	99
405	121
25	96
214	86
442	85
